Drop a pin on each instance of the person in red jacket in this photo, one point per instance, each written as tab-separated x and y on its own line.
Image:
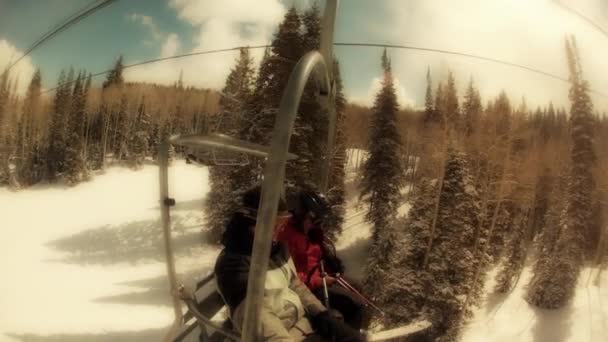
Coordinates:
304	236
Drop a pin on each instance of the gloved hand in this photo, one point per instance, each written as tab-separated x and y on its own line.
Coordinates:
336	315
331	328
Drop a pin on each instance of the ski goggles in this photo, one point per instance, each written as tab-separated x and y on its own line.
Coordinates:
281	219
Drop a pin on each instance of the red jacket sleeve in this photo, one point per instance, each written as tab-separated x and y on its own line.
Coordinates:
302	276
315	280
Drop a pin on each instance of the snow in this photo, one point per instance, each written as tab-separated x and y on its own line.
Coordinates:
53	283
45	291
355	241
395	333
511	318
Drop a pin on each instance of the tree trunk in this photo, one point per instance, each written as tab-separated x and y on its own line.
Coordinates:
104	139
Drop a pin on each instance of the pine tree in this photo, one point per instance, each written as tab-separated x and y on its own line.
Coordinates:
515	251
56	152
122	129
452	109
382	177
309	136
74	153
29	163
471	109
503	112
404	283
95	135
502	226
452	261
432	151
337	192
311	20
5	143
115	77
431	115
551	120
272	78
87	125
109	118
226	182
547	240
4	96
138	140
440	105
555	286
178	121
541	201
155	137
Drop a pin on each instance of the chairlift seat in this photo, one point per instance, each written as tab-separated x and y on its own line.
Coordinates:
6	149
222	142
208	304
216	149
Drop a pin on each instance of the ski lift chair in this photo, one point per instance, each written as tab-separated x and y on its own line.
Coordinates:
205	301
203	305
6	150
216	154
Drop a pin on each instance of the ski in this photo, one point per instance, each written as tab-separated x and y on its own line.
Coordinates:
400	332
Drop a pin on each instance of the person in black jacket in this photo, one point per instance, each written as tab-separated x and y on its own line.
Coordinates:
290	312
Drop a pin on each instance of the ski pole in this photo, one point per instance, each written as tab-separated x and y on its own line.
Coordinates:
348	286
325	292
353	289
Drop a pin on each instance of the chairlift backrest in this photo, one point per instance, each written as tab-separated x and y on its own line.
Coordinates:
6	149
204	145
222	158
207	303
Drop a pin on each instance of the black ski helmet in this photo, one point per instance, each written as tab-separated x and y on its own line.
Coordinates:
251	201
313	203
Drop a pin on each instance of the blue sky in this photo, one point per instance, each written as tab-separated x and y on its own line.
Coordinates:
528	32
94	42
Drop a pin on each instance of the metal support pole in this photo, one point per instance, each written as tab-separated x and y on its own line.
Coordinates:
274	173
327	44
327	35
165	203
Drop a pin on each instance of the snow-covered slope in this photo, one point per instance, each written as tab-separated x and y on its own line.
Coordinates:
503	318
86	264
71	257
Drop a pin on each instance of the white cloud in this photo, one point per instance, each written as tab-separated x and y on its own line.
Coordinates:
197	12
529	32
170	46
149	23
403	98
219	24
23	71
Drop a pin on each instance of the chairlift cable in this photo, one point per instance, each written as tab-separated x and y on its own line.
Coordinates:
150	61
589	21
405	47
69	21
469	55
354	225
